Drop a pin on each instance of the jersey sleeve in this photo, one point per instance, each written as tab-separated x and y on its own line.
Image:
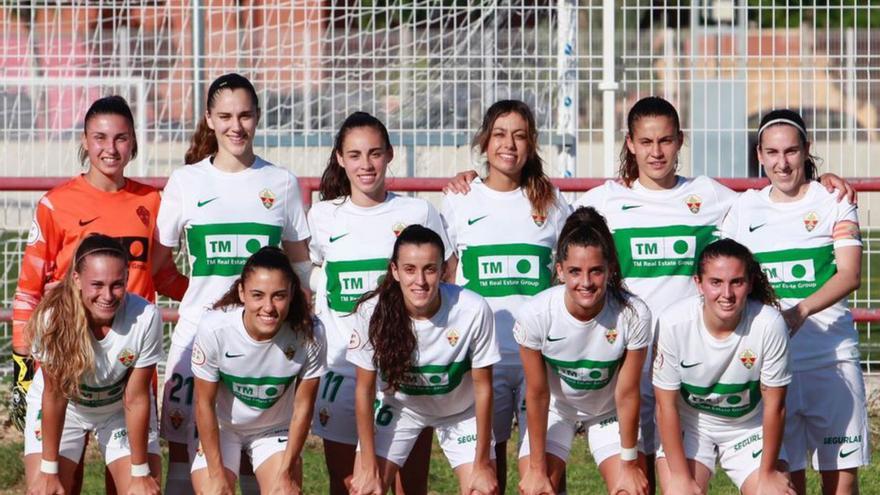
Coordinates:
638	327
206	355
724	196
170	222
447	214
667	376
296	228
775	370
484	346
316	360
360	352
529	330
595	197
846	226
435	223
316	249
151	342
561	210
730	224
38	266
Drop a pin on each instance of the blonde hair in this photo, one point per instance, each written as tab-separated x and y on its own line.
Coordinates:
59	327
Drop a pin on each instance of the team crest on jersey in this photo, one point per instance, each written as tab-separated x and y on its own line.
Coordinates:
34	234
354	341
658	362
289	352
38	432
267	198
199	451
611	335
694	203
398	228
323	416
176	418
748	358
198	355
144	215
127	357
538	219
810	221
452	337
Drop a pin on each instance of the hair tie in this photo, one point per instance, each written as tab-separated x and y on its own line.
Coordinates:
790	122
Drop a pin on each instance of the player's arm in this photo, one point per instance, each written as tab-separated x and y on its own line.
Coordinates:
535	479
461	183
298	254
632	478
483	479
669	426
166	277
367	479
303	407
450	269
209	431
844	188
773	427
137	401
53	408
841	284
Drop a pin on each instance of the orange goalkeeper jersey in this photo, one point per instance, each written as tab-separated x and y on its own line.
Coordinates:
70	212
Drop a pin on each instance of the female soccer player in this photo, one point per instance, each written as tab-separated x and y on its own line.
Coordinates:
265	349
809	245
720	374
582	346
100	200
432	347
98	347
227	204
514	216
354	228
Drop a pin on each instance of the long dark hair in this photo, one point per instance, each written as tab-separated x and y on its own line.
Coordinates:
273	258
761	291
793	119
533	180
204	143
109	105
586	227
334	182
391	330
651	106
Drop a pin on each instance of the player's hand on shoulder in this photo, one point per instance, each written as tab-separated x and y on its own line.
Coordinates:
461	183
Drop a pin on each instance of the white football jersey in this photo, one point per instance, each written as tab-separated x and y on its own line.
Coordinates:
795	242
582	357
457	338
226	217
354	244
257	378
505	251
719	381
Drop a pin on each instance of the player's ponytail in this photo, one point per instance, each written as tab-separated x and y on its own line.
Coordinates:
586	227
761	291
651	106
59	326
391	332
334	181
533	180
203	142
273	258
109	105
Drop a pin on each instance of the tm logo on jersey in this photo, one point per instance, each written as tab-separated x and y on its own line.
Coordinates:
222	249
347	281
798	273
261	393
722	399
434	379
506	269
584	374
661	251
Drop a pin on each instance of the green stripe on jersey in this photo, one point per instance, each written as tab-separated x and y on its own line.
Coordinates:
101	396
347	281
798	273
731	400
434	379
506	269
584	374
648	252
260	393
222	248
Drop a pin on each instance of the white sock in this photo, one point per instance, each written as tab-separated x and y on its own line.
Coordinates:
248	484
179	480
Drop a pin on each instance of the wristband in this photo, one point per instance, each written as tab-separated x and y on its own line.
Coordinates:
629	454
140	470
48	467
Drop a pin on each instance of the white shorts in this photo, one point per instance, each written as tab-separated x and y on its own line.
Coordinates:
258	446
108	426
334	409
177	421
398	429
647	413
738	448
508	395
603	437
827	418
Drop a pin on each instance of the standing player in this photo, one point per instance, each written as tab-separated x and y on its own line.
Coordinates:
582	346
228	203
720	373
809	245
504	232
432	346
353	233
261	345
98	347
